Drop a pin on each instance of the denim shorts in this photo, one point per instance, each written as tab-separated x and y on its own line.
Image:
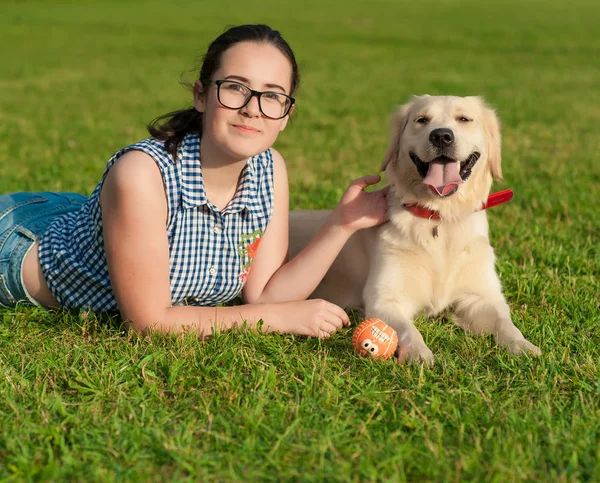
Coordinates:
24	217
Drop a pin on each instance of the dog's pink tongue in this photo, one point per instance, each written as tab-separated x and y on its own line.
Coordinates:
442	178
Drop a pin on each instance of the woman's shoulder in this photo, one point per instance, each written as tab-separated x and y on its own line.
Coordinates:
155	148
278	162
276	155
270	158
135	165
188	148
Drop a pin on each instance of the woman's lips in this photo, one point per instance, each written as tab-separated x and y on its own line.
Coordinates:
248	129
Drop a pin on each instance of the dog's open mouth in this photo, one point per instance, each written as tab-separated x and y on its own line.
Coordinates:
443	174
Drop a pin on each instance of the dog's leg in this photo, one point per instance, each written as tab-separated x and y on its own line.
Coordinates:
399	316
395	291
482	314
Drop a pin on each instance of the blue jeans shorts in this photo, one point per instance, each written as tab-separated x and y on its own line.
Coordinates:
24	217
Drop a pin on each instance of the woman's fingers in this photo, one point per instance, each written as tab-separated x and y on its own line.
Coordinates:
338	316
332	317
365	181
325	331
323	335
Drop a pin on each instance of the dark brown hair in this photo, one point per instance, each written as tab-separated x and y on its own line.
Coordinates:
173	126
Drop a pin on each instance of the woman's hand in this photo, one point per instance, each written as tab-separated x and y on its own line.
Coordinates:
313	318
360	209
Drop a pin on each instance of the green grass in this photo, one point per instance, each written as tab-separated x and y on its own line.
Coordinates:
81	399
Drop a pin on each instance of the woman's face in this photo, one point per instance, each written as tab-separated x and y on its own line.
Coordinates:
241	133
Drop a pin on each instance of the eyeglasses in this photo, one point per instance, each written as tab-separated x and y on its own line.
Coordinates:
234	95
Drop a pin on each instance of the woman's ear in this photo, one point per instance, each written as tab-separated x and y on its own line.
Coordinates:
399	122
199	96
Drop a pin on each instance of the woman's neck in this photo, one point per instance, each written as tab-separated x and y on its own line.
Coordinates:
221	174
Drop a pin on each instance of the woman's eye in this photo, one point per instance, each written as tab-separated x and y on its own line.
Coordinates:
235	87
422	120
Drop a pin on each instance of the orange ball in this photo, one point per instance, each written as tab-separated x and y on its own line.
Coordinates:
374	338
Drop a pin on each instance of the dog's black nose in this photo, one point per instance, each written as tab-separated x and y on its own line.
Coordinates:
441	138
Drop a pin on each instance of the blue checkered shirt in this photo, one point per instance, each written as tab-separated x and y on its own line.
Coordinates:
210	251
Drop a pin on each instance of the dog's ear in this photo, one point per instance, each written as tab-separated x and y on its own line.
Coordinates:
399	122
491	126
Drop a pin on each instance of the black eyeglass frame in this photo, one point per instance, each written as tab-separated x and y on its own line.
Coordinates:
253	93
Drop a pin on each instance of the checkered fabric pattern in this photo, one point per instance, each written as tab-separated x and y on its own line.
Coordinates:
210	250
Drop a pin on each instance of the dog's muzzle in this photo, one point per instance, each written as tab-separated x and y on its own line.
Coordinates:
443	174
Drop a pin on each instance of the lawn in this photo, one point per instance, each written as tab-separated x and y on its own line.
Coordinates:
81	399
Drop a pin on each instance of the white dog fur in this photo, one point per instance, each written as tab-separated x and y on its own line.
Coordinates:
400	269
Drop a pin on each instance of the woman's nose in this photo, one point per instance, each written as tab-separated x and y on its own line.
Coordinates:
252	108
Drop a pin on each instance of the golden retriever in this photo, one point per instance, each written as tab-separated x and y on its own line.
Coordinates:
443	155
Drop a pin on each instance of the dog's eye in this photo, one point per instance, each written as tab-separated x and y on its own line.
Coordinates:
463	119
422	120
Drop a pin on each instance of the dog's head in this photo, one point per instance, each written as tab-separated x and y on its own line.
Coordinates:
444	152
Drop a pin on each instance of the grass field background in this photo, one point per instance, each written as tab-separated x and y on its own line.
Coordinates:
81	399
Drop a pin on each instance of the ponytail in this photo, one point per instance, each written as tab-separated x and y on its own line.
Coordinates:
173	126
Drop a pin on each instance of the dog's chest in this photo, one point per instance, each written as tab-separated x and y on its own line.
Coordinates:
438	261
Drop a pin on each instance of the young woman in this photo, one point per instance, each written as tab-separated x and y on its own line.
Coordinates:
185	220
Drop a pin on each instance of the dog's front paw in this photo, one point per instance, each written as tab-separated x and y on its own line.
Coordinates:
414	353
520	347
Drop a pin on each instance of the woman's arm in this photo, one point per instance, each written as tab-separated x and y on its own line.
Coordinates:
271	279
134	215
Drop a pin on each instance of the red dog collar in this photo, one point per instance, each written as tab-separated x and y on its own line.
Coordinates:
493	200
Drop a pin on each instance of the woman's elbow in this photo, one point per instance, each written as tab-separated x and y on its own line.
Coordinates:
250	299
143	323
254	297
140	327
